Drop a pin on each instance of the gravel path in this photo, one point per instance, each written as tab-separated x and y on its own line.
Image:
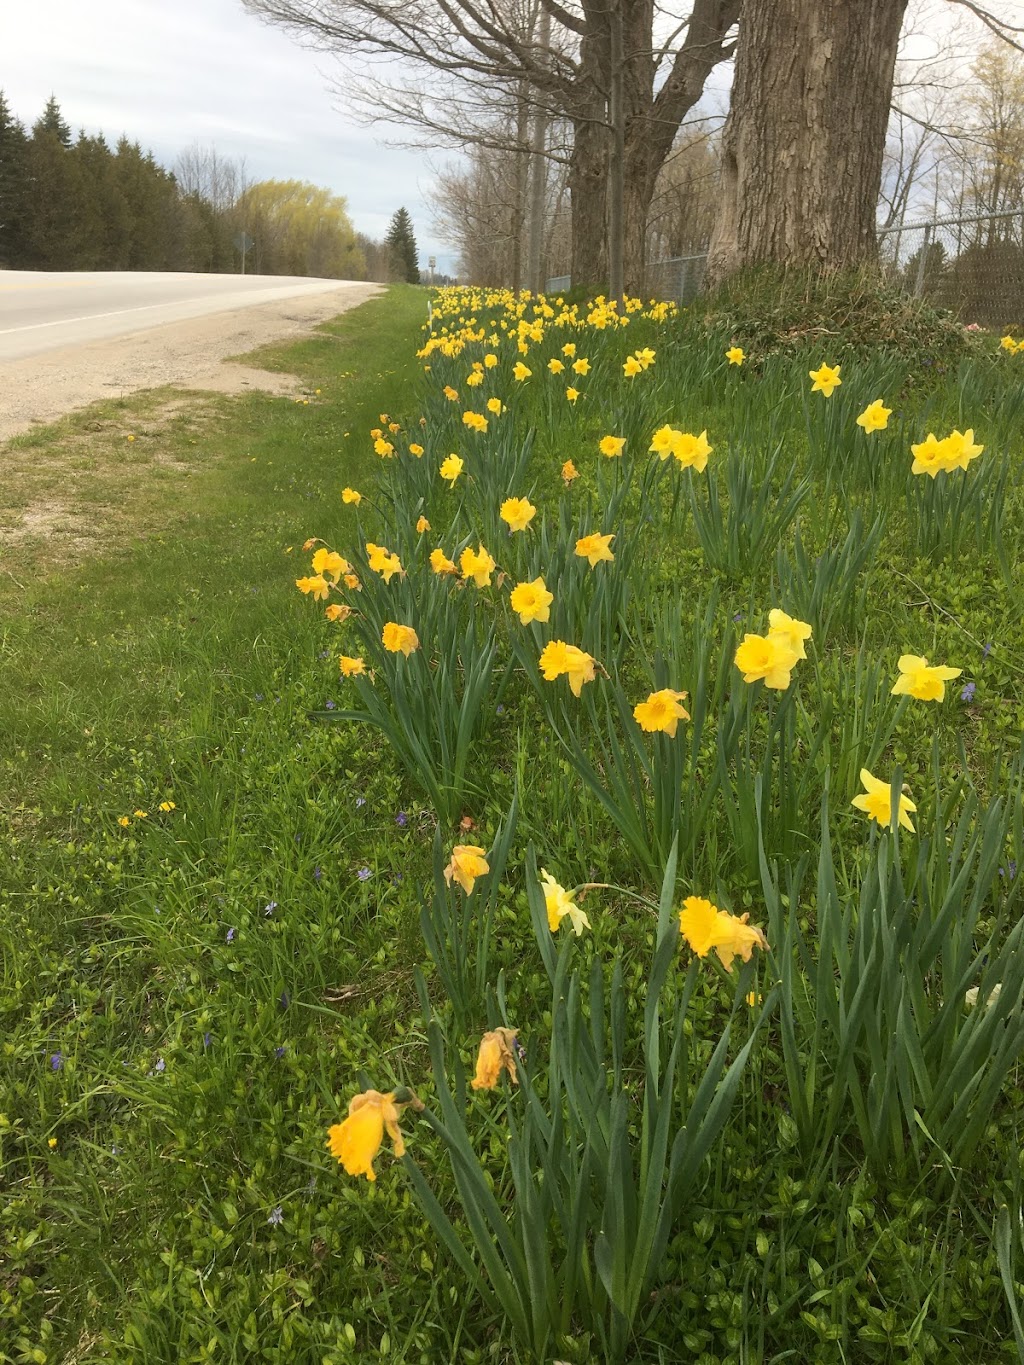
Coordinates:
188	354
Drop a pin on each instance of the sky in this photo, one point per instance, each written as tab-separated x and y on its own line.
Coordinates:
170	74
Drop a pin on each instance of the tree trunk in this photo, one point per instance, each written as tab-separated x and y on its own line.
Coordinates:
588	194
802	146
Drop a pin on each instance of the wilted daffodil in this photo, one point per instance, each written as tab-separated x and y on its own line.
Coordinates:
440	562
337	611
825	380
478	565
560	905
357	1139
735	355
705	927
517	513
422	524
495	1056
399	639
766	658
611	446
875	417
569	472
876	802
661	711
351	667
594	548
467	864
532	601
451	467
921	680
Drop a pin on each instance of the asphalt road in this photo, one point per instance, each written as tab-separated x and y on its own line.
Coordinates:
47	311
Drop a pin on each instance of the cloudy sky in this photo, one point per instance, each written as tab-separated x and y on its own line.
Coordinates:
170	74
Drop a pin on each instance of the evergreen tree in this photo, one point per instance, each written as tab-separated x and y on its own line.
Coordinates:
54	201
402	246
51	120
13	188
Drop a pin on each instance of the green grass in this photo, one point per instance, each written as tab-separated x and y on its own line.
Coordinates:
187	1001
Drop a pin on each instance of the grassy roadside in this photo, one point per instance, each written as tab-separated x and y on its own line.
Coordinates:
163	982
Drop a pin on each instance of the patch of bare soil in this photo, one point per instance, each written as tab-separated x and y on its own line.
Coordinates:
188	354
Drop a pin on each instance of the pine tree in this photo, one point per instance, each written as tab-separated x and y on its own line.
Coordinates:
51	120
13	188
402	246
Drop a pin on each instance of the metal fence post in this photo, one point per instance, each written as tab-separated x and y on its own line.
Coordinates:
919	281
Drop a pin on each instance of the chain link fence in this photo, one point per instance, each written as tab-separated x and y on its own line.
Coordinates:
972	265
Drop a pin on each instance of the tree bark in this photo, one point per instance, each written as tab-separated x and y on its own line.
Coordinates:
803	143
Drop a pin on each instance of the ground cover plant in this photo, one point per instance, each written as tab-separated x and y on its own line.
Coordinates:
582	923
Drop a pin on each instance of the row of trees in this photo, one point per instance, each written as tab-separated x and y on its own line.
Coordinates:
602	93
80	204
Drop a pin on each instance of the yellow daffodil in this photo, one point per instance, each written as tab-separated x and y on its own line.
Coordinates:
789	632
661	711
440	562
451	467
357	1139
474	379
735	355
765	658
422	524
662	441
691	452
555	366
581	366
399	639
349	495
518	513
317	585
558	658
929	456
960	449
876	803
490	360
384	448
450	393
520	372
416	450
467	864
875	417
352	581
476	421
918	679
572	394
705	927
478	565
1008	343
631	366
496	406
825	380
351	666
330	564
594	548
337	612
569	349
569	472
611	446
532	601
560	905
495	1056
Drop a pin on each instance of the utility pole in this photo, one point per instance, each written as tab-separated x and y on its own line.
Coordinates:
616	159
538	147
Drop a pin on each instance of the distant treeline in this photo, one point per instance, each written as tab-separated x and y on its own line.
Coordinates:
80	204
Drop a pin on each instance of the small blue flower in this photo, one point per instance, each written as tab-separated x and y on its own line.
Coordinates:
230	936
364	874
161	1065
987	650
324	654
967	691
277	1216
270	907
207	1039
279	1052
739	615
56	1061
499	710
258	696
285	1000
401	819
318	872
330	706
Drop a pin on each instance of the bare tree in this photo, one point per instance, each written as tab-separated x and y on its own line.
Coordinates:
470	52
